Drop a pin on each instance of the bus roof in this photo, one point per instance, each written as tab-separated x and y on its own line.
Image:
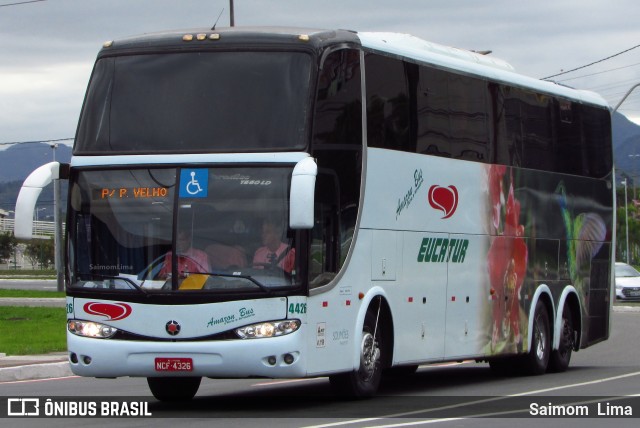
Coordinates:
397	44
207	38
468	62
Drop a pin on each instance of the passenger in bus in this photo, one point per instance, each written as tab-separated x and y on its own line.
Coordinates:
190	260
274	252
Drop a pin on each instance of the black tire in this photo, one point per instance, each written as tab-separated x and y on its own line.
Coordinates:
560	358
174	388
364	382
537	360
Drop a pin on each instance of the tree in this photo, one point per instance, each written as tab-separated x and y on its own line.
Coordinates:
8	244
621	229
40	252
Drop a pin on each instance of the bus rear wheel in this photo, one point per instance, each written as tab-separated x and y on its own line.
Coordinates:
537	360
561	357
364	382
174	388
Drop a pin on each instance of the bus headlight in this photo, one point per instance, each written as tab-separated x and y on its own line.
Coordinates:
268	329
91	329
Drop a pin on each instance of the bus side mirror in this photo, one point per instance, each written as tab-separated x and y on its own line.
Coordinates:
303	184
29	194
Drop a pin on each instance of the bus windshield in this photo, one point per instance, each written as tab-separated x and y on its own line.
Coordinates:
196	102
176	230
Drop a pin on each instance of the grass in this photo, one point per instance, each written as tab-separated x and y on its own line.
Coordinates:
27	274
27	330
30	293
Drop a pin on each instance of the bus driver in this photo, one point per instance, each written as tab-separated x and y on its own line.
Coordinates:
274	252
190	260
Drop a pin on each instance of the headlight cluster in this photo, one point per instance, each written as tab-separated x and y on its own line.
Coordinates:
91	329
268	329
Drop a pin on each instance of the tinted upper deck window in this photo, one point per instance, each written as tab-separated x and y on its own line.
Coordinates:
196	102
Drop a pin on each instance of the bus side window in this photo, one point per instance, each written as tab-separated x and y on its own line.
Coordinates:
338	111
323	263
389	106
337	148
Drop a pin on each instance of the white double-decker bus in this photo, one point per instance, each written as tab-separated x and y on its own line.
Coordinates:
285	203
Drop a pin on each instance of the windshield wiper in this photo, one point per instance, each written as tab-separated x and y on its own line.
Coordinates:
265	288
230	275
127	280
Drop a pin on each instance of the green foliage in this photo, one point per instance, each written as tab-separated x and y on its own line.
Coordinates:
621	228
30	293
26	330
41	252
8	244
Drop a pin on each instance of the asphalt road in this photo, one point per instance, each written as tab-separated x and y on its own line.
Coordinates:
441	395
29	284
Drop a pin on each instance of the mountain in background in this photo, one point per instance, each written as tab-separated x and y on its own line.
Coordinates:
626	147
19	160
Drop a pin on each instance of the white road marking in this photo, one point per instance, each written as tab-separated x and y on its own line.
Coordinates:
486	400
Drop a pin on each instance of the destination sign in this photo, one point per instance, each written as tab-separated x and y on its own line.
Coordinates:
131	192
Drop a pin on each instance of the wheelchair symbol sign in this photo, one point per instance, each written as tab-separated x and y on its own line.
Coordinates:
194	183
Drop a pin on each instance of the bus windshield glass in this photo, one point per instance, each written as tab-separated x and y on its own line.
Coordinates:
181	230
196	102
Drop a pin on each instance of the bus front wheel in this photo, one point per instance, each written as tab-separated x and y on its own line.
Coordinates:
174	388
365	381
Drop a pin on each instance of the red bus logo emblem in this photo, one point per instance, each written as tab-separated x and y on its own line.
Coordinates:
444	199
172	327
113	311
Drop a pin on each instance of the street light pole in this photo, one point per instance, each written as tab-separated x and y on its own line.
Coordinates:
635	175
625	96
626	212
54	146
57	236
231	17
57	222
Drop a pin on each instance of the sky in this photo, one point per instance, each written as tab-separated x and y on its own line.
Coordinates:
47	48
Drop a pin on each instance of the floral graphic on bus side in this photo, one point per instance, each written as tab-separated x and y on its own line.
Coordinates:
507	263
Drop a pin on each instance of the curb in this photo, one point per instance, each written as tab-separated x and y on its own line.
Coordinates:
35	371
626	309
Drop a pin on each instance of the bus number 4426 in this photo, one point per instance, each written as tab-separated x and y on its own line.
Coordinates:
298	308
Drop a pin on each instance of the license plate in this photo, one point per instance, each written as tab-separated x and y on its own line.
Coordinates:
634	293
174	364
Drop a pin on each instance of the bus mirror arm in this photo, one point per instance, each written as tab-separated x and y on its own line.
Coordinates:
301	198
30	192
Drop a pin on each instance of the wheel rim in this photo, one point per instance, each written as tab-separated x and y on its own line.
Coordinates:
369	357
540	339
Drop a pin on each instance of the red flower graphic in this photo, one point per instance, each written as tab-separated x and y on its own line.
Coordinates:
507	263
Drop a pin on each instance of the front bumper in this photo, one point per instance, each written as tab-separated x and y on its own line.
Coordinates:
223	358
